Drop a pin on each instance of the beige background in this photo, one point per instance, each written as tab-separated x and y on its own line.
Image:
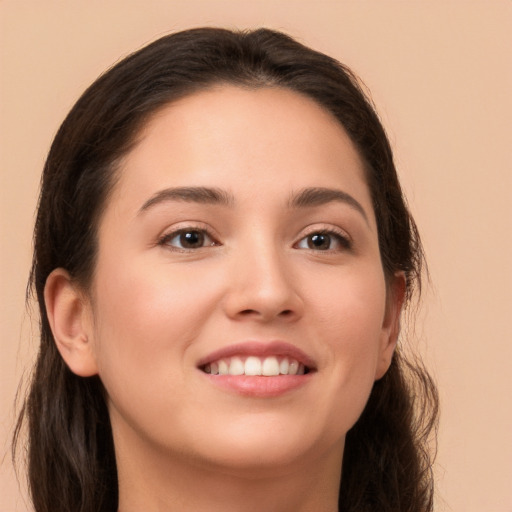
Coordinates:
441	76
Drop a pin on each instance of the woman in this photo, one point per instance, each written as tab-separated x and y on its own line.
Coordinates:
222	256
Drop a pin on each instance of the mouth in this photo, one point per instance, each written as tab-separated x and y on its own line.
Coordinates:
259	362
252	365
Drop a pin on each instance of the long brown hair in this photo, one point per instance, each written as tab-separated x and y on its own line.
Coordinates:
71	461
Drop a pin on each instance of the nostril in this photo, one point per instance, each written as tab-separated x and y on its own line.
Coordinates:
253	312
248	312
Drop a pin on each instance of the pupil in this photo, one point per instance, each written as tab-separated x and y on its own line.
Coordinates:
192	239
319	242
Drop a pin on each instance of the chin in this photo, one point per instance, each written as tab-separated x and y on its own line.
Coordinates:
264	445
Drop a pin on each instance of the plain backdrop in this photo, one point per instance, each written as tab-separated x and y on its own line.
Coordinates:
440	73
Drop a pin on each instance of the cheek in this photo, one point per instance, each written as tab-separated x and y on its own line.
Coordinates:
150	303
360	324
145	319
350	308
350	314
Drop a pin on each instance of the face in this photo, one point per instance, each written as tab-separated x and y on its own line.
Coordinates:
240	239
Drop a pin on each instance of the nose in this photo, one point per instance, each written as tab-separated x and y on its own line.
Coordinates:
262	287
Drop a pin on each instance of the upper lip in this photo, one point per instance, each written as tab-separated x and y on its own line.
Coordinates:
259	349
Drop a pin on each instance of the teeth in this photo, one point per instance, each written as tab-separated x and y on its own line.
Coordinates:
269	366
252	366
284	366
223	367
236	367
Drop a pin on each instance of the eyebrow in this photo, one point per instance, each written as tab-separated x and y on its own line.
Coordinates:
318	196
203	195
308	197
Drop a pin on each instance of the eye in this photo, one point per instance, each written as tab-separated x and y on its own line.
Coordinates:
188	239
324	241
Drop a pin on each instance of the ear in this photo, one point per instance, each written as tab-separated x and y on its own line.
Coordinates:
391	325
70	320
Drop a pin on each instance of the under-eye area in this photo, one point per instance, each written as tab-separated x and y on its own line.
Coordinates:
271	366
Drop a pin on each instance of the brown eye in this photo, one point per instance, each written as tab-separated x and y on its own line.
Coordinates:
188	239
319	241
191	239
325	241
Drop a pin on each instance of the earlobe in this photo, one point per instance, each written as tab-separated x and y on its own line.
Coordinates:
391	325
69	317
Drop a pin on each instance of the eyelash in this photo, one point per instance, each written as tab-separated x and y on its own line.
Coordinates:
340	237
166	239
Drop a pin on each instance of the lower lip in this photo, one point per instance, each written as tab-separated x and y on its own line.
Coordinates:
259	386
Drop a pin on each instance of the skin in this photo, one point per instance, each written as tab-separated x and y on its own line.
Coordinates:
155	309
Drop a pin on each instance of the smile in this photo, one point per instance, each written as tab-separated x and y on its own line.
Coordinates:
267	369
271	366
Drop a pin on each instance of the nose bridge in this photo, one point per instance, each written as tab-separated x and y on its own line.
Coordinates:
261	281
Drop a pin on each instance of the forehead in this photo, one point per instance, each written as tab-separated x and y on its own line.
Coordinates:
256	141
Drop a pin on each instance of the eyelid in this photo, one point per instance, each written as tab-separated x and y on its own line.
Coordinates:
183	227
344	238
